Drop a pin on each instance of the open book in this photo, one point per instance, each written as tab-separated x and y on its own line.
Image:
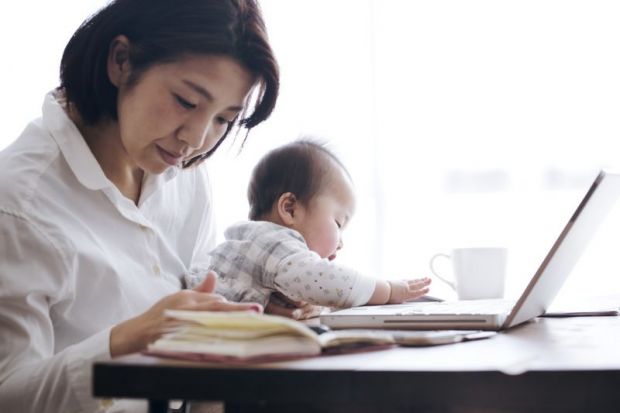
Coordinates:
249	336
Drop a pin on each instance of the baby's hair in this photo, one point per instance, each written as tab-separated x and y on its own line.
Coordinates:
300	167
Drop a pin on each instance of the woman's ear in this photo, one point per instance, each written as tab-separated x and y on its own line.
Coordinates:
286	208
118	60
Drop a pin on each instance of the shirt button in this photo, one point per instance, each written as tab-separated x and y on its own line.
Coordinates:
143	227
156	269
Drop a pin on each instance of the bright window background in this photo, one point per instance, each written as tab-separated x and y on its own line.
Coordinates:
474	123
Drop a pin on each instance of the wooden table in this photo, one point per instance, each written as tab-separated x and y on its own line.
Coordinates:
548	365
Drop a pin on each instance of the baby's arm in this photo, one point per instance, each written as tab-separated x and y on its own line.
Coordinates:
396	292
307	277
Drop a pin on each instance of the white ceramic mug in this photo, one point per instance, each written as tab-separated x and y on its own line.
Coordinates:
477	273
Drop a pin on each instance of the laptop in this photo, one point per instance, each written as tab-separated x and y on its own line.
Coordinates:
498	314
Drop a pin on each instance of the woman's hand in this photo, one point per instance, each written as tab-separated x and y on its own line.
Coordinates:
137	333
281	305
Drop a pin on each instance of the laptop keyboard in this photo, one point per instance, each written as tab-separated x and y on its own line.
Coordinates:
491	306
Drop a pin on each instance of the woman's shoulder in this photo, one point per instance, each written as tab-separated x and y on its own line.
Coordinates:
25	163
37	186
31	195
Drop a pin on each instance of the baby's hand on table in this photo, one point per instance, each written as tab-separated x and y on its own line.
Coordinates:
281	305
405	290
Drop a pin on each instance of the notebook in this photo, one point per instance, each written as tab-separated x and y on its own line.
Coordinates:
498	314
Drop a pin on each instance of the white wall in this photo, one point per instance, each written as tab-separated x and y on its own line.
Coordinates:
463	122
33	35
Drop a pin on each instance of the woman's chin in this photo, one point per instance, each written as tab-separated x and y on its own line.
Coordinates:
156	167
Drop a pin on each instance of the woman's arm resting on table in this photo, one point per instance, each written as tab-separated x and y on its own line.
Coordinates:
35	276
137	333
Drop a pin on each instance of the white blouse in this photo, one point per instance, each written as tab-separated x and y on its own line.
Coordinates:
77	257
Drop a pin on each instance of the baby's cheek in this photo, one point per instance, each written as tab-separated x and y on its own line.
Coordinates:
332	240
324	243
321	247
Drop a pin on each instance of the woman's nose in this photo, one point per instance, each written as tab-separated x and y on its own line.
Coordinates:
195	136
197	133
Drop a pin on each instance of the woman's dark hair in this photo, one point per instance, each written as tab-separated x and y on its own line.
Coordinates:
300	167
162	31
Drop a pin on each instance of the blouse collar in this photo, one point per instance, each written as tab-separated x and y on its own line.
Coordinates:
78	155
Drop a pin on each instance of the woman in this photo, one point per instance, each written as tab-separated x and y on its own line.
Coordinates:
103	201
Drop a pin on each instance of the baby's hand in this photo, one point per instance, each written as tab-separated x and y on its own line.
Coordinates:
406	290
279	304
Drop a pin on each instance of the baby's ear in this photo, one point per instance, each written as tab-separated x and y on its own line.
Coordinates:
286	208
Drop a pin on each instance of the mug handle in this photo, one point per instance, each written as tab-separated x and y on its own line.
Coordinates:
432	267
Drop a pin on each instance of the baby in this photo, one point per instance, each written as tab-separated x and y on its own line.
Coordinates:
301	200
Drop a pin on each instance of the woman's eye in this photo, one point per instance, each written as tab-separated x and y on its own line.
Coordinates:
184	103
224	121
338	224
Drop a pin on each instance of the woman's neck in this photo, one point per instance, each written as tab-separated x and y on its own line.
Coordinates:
105	143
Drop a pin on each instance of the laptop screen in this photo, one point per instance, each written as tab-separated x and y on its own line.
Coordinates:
567	249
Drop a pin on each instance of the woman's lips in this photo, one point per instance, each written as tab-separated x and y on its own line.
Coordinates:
170	158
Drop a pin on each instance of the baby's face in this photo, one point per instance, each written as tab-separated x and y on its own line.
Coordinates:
327	214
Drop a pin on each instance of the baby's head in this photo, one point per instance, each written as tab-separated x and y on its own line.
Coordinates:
303	186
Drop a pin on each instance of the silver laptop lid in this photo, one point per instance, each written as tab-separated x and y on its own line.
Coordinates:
567	249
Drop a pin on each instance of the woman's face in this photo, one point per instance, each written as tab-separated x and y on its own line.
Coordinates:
178	110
